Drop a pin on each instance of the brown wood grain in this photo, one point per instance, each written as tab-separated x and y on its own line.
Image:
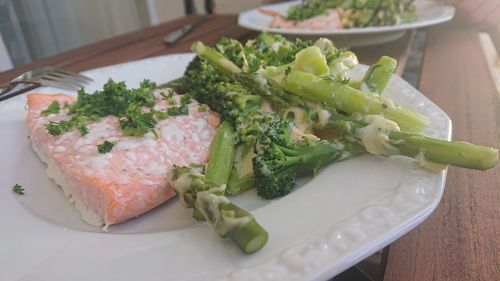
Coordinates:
68	58
148	42
461	239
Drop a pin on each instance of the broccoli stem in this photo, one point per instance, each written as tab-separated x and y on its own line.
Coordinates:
350	100
311	158
454	153
276	166
219	167
379	74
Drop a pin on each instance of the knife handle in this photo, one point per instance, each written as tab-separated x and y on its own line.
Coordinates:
177	34
10	94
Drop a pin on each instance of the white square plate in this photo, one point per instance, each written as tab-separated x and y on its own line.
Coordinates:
345	213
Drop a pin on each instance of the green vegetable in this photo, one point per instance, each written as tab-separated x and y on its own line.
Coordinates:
53	108
280	158
376	12
219	167
133	107
331	90
350	100
357	13
378	75
289	108
18	189
455	153
58	128
240	102
276	93
105	147
311	60
308	10
241	178
205	194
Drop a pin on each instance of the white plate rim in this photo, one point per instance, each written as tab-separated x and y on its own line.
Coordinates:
447	14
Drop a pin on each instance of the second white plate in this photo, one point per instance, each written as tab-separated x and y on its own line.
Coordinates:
429	13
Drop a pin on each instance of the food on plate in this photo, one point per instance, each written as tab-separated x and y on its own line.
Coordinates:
110	150
18	189
295	109
203	190
287	108
325	21
338	14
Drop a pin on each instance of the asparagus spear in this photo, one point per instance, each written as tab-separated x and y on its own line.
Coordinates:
220	164
215	58
317	89
218	168
350	100
455	153
241	178
205	194
378	75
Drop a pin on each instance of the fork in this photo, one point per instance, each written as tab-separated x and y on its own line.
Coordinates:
43	76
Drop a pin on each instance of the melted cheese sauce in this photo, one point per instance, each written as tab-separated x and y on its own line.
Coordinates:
208	202
374	136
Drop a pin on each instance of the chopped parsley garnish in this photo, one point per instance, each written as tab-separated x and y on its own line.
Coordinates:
105	147
171	101
18	189
169	98
134	109
57	128
53	108
178	110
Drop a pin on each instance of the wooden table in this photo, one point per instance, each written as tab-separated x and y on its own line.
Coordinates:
461	239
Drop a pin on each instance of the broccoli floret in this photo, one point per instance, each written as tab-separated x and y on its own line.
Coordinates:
280	158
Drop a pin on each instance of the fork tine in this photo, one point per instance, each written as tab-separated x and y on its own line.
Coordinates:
42	70
64	76
71	73
66	84
46	76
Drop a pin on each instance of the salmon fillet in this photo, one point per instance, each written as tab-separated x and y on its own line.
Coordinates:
131	179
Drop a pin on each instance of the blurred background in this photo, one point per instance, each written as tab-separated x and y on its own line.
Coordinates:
33	29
